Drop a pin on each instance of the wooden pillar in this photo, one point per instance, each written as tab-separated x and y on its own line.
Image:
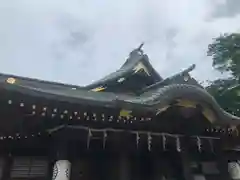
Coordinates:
136	166
222	162
184	162
124	167
99	164
6	167
186	166
158	166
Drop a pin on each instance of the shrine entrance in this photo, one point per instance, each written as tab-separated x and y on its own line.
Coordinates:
139	166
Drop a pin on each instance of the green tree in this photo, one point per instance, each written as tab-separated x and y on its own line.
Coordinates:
225	52
227	94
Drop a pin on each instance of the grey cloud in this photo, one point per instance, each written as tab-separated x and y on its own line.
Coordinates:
77	42
229	8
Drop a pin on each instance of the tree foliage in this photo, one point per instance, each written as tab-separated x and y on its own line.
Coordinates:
226	92
225	52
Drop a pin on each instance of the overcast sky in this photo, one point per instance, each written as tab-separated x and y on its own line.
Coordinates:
79	41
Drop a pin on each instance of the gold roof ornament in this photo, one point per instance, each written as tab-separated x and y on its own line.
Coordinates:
140	66
186	103
209	114
11	80
98	89
160	110
125	113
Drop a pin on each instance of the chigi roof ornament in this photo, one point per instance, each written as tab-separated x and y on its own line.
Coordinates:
138	51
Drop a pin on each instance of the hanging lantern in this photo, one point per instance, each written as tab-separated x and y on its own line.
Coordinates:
9	101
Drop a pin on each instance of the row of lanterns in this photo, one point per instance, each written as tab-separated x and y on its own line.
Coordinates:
228	131
124	116
102	117
20	136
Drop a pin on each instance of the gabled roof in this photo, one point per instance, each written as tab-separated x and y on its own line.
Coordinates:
136	88
136	73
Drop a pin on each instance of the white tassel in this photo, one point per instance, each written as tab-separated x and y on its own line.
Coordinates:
149	141
164	141
89	138
199	144
137	139
178	144
104	138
